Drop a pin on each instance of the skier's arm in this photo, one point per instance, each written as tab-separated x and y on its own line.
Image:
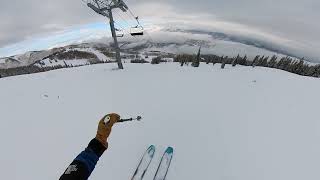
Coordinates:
83	165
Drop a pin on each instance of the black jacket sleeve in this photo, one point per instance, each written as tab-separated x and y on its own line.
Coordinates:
83	165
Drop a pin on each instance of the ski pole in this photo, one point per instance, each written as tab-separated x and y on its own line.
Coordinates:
131	119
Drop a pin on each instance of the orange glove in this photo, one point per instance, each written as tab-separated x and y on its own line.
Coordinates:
105	127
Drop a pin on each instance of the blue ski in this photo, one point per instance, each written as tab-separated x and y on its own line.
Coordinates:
164	165
144	163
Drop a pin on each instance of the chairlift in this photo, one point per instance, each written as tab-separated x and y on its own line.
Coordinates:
119	33
137	31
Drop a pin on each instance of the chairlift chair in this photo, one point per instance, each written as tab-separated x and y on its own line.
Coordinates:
136	31
119	33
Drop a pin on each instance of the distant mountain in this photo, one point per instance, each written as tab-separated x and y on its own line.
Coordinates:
174	41
243	40
25	59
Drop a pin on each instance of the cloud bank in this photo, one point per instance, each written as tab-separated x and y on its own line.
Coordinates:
289	25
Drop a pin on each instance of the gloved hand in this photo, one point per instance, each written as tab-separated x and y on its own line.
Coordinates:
105	127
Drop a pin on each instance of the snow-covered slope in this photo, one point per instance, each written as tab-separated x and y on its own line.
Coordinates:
25	59
239	123
38	56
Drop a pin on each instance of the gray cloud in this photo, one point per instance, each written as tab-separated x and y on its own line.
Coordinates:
21	19
294	20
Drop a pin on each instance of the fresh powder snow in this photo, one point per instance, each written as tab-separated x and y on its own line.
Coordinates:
237	123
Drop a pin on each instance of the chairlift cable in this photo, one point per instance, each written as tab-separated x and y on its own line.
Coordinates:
125	21
136	30
121	17
123	28
135	17
127	31
128	23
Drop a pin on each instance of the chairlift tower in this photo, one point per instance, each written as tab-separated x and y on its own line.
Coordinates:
104	8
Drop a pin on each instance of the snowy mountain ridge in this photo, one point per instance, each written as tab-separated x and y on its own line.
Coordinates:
242	40
175	41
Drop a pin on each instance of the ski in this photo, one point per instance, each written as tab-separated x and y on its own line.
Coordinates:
164	165
144	163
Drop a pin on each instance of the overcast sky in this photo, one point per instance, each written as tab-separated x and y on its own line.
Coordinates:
294	21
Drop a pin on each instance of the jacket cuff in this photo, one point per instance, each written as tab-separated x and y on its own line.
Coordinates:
97	147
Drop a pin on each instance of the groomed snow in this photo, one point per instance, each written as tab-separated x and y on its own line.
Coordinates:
239	123
99	55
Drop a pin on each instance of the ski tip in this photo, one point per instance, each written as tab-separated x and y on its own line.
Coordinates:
169	150
151	149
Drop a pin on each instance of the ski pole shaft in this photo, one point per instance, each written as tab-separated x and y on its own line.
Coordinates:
131	119
125	120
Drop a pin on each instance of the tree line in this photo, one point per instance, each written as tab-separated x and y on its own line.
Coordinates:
31	69
296	66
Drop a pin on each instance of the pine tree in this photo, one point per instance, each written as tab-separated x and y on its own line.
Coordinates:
196	61
255	61
273	61
224	61
235	61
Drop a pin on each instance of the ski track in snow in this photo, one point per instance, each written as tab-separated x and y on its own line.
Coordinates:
144	164
238	123
163	166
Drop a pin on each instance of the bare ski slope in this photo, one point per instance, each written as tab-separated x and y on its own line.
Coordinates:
239	123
